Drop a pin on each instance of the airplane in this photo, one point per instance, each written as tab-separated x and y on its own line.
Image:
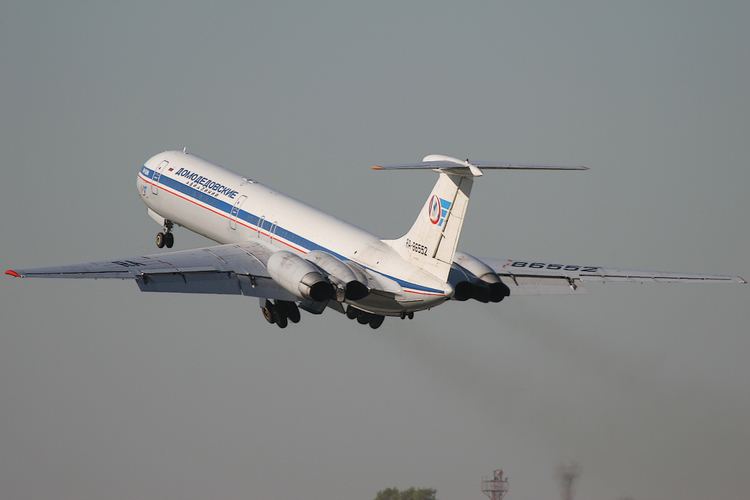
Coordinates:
292	256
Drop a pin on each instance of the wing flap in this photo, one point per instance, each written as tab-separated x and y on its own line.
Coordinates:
216	282
614	276
542	285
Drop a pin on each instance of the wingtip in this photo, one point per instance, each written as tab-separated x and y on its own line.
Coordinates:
741	280
11	272
376	167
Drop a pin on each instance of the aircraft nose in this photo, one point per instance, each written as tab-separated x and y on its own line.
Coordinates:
140	183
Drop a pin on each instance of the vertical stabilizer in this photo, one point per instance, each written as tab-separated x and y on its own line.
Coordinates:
431	242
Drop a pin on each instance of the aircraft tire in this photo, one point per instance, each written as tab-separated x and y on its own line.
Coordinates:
268	312
169	240
282	322
376	321
351	312
293	313
160	240
410	315
363	318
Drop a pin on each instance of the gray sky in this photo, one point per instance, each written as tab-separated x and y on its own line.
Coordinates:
109	393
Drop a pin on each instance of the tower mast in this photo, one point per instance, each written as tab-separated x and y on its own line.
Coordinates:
496	487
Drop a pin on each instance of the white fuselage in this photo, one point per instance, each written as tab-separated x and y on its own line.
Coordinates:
228	208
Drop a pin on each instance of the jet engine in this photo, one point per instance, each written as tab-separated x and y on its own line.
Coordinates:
299	277
349	278
483	285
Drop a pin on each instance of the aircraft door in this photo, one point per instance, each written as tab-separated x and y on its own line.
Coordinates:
235	214
266	229
272	231
157	176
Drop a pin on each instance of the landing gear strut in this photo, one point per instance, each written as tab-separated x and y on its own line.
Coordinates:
165	238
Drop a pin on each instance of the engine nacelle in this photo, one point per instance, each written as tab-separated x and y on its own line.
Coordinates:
351	279
299	277
487	285
474	289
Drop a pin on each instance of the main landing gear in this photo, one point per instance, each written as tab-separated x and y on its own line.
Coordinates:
365	318
280	312
165	238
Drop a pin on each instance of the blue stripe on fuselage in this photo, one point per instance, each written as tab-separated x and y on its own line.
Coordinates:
266	225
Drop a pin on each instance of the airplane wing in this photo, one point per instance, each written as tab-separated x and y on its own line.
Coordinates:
234	269
528	277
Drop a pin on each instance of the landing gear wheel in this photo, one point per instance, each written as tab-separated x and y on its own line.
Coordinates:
281	310
351	312
410	315
363	318
269	312
160	240
376	321
169	240
282	322
293	313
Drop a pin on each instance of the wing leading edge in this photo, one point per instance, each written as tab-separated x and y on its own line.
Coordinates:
234	269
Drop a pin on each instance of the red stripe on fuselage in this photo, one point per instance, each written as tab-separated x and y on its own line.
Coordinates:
409	290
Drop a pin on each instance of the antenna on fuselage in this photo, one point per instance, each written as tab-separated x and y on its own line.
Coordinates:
184	149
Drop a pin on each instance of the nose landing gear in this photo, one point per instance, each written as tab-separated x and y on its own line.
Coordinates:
165	238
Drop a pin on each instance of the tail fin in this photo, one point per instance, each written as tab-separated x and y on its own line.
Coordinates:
431	242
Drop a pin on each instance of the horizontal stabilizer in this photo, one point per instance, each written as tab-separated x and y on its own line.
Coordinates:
467	167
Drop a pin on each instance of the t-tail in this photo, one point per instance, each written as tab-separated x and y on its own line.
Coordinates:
432	240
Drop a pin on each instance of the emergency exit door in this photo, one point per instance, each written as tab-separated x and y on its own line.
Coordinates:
235	214
157	176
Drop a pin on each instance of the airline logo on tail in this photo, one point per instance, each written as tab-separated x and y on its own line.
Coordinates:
438	209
